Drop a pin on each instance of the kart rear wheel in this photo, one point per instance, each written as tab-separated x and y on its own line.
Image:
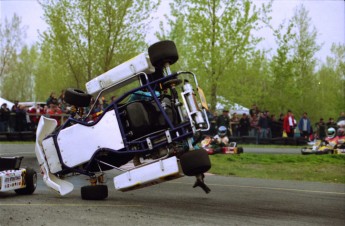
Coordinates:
163	52
195	162
30	182
94	192
77	97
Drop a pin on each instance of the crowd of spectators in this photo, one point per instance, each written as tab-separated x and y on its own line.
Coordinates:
258	123
25	118
263	124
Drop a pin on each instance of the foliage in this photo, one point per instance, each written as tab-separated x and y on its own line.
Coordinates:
219	34
87	38
21	74
11	37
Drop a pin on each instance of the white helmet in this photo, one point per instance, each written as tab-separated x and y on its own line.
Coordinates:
222	131
331	132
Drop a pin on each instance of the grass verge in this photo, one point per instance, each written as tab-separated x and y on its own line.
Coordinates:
320	168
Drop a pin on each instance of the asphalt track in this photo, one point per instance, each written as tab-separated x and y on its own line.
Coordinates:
232	201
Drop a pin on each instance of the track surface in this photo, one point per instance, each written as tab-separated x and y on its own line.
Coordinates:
232	201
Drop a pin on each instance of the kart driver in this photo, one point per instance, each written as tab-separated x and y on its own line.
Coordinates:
221	138
334	140
331	139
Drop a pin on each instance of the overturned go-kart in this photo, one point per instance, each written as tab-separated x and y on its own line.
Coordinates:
148	122
14	177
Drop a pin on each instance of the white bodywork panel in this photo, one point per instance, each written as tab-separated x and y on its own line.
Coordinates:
78	143
151	174
120	73
51	155
45	127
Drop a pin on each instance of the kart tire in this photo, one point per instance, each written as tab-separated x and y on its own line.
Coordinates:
163	52
77	97
94	192
195	162
30	181
239	150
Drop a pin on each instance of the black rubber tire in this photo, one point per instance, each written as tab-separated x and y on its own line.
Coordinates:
30	181
77	97
94	192
239	150
195	162
163	52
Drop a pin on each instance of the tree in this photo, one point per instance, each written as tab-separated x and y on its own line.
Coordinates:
304	59
87	38
19	82
330	91
11	36
283	90
213	37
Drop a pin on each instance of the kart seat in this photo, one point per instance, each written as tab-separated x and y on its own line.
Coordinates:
141	118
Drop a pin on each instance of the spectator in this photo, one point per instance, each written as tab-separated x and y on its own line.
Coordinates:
276	127
269	132
321	129
4	117
22	119
234	124
289	124
52	99
55	112
213	123
15	106
263	125
211	119
304	126
254	121
36	115
281	123
224	120
253	110
244	125
331	123
61	98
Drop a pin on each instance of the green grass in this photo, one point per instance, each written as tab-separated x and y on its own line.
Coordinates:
321	168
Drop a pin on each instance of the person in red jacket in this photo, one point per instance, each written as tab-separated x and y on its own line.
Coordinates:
289	124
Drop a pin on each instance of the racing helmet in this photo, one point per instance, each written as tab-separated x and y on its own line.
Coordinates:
341	132
222	131
330	132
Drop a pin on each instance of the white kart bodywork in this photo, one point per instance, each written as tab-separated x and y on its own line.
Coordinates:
75	152
44	128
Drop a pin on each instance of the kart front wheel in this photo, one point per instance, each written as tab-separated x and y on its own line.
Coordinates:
94	192
195	162
30	182
77	97
163	52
